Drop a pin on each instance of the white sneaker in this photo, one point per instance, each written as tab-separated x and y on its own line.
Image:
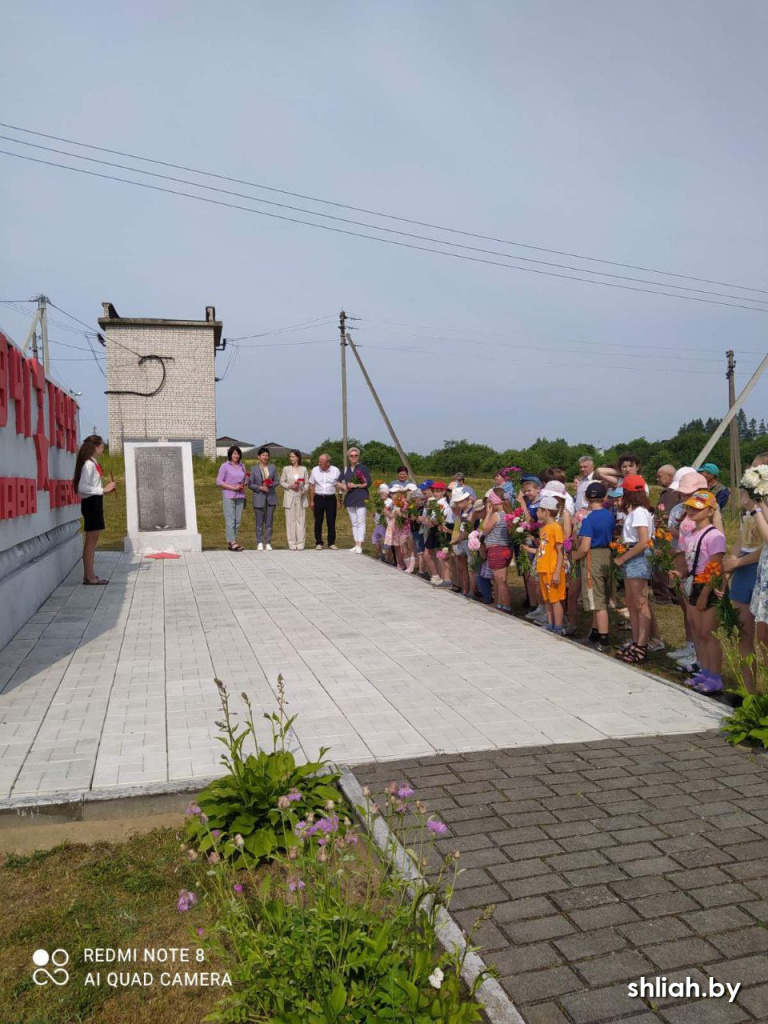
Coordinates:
268	547
353	551
358	549
318	547
333	548
686	652
533	613
259	547
656	645
541	614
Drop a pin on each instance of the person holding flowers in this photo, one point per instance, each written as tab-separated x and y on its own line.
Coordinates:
633	558
593	557
262	482
231	481
294	480
497	547
550	562
756	480
354	483
741	565
702	550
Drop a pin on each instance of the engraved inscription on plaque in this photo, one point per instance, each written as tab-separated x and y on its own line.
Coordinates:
160	489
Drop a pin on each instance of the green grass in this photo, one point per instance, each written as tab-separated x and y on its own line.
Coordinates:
101	895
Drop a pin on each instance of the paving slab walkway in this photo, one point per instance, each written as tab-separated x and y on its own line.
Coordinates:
609	862
110	688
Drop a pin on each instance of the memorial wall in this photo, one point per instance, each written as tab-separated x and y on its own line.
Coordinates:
39	510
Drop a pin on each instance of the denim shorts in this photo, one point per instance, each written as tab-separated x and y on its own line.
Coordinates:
743	583
637	568
418	540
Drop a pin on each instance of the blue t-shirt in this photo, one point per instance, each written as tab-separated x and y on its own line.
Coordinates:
599	525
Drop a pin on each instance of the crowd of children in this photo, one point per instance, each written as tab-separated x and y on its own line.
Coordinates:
602	545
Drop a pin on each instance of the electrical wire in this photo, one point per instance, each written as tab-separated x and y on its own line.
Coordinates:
304	325
375	213
378	227
386	241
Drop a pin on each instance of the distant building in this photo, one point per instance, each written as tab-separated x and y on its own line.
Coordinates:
161	380
224	443
278	452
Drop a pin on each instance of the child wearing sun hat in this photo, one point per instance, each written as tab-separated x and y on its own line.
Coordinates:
701	551
550	562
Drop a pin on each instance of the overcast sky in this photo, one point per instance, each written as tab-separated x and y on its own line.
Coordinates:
633	132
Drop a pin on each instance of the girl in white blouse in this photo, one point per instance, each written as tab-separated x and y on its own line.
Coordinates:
89	486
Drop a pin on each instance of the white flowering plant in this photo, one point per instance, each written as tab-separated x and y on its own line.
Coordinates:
755	483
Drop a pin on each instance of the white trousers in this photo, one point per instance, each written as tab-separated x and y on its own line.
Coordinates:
357	518
295	525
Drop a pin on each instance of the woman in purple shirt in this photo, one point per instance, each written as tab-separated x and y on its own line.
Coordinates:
231	480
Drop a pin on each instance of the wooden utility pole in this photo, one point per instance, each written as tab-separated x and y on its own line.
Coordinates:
734	428
384	416
343	335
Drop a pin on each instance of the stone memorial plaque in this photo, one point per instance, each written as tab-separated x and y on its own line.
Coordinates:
160	489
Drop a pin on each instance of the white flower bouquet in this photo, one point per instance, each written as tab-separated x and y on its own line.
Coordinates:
755	483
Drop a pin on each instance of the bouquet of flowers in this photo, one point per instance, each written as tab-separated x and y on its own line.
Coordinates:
755	483
268	481
360	477
727	617
375	504
511	475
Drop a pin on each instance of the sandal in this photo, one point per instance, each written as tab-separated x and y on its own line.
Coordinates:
635	655
234	546
95	582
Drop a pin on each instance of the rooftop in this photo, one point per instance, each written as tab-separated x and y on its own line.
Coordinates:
112	318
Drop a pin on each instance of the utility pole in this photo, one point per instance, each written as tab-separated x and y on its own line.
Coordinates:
343	335
41	317
384	416
732	413
734	428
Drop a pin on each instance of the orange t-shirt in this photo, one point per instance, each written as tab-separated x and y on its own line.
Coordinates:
546	558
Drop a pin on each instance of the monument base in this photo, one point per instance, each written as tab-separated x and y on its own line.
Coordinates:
24	590
167	540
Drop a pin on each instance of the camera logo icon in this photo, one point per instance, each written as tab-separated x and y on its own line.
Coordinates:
58	960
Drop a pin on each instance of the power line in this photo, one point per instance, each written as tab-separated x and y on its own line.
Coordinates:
376	238
376	213
378	227
304	325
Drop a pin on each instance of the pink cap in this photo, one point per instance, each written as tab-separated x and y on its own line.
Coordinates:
691	482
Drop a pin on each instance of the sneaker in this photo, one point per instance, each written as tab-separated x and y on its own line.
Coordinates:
358	549
687	651
570	630
533	613
434	580
602	648
711	685
318	547
445	583
259	547
699	677
688	666
656	645
541	616
333	548
267	547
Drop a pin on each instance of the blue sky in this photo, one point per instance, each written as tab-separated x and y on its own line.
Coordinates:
631	132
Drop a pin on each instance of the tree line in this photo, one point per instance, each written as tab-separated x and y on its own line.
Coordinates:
482	460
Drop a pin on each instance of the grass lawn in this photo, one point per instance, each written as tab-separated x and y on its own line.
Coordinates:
100	895
211	526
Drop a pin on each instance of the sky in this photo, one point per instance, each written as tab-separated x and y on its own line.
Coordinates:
624	132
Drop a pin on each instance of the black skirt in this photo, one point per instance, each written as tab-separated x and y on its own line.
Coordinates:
92	511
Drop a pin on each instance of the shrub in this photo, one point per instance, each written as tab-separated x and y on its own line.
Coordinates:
248	814
748	723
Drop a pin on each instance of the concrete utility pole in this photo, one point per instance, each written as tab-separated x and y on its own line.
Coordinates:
735	451
384	416
40	317
343	335
732	413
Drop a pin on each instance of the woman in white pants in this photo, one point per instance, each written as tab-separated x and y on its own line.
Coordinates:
354	483
295	483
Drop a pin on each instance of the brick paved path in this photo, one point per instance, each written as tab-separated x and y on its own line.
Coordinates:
107	688
607	862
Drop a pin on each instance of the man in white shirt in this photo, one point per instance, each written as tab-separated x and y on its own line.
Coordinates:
322	500
587	475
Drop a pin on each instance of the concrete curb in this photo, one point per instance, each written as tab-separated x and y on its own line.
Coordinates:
497	1006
